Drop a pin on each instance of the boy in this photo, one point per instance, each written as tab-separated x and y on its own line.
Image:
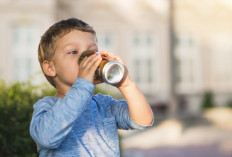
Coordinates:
74	122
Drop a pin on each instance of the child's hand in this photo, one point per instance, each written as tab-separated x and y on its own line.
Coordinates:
88	67
126	79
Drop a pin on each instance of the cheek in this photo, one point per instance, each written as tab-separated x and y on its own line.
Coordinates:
75	71
74	68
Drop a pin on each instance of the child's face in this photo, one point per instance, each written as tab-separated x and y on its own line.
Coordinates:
67	52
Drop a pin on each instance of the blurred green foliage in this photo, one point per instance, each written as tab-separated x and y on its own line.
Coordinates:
229	103
16	108
208	100
16	102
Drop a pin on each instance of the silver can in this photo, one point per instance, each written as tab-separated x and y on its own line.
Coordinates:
110	71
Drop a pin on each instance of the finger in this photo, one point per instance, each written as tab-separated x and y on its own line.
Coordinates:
86	60
94	62
110	55
92	69
107	54
82	62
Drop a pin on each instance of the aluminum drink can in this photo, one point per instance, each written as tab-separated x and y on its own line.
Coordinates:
110	71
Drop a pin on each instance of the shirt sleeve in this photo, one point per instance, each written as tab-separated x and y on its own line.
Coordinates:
50	124
119	109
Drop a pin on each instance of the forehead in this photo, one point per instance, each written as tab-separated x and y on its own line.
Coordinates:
76	37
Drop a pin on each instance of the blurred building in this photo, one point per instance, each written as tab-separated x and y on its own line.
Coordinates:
203	49
22	23
138	31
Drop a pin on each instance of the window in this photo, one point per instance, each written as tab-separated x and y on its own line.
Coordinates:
188	61
220	62
106	41
145	60
24	40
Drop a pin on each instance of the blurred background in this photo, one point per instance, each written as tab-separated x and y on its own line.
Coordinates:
179	52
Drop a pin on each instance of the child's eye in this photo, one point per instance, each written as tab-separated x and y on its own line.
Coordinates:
73	52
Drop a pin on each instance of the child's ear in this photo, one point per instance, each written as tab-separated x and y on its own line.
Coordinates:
49	69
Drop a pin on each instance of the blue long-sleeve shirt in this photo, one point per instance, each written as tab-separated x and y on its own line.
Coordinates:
80	124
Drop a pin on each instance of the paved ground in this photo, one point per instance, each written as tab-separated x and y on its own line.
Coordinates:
208	135
189	151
